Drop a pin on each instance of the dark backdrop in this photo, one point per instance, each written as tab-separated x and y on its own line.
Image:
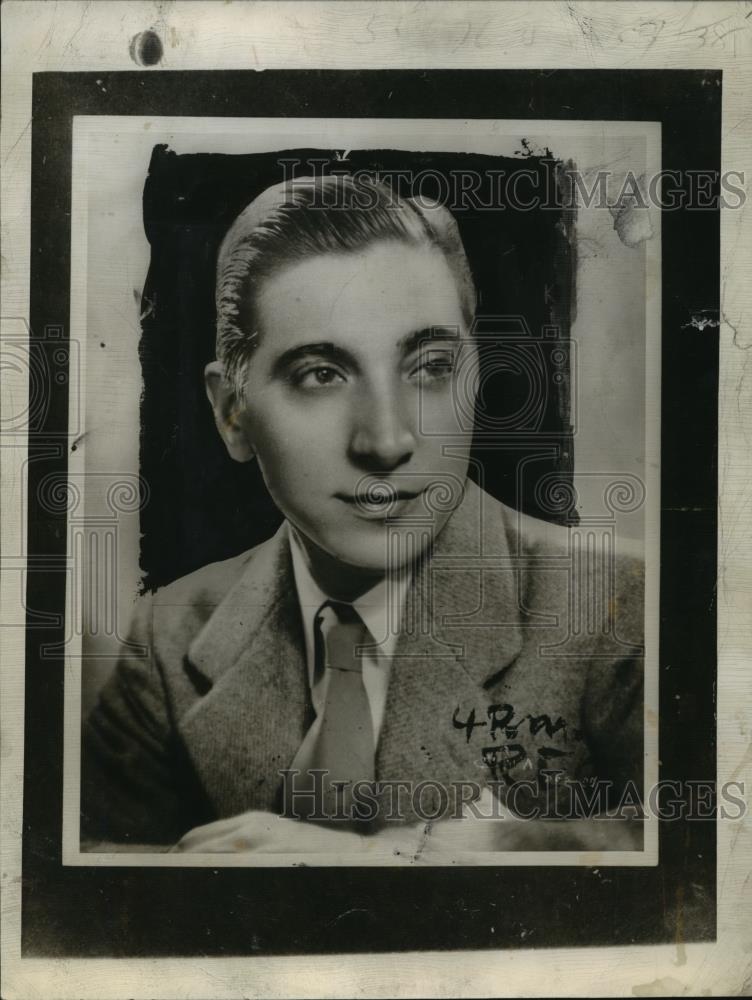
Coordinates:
203	506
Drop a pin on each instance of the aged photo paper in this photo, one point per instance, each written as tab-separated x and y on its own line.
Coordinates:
375	492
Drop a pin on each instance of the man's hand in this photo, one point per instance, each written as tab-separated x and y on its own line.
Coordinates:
267	833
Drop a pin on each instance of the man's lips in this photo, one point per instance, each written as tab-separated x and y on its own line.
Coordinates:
380	501
378	496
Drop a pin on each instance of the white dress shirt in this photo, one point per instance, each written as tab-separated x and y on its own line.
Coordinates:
380	609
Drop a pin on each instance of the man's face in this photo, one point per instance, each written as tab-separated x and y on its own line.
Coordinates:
350	399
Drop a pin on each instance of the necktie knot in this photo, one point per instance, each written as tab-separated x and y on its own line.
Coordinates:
344	613
343	633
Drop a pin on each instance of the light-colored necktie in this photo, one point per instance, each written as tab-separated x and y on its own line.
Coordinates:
342	743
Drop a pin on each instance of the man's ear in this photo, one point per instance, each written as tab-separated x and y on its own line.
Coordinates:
224	403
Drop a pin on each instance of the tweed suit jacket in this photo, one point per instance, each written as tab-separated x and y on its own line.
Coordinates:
520	652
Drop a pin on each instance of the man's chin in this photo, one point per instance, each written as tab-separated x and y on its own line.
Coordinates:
393	552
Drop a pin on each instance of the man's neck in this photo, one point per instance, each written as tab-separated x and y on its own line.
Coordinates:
338	580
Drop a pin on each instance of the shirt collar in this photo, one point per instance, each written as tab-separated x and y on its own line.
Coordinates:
380	607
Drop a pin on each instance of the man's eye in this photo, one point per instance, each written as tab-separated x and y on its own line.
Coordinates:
435	368
317	378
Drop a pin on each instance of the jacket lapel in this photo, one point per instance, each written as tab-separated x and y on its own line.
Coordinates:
460	629
251	722
466	594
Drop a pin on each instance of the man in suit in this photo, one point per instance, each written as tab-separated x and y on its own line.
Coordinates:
402	632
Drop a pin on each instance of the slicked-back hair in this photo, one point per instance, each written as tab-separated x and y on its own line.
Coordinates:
309	216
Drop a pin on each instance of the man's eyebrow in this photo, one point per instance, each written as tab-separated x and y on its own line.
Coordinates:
417	338
340	355
323	349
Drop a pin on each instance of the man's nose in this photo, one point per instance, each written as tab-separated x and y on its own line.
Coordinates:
383	436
